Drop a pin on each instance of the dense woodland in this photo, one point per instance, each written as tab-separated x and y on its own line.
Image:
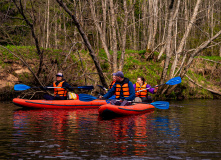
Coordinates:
174	30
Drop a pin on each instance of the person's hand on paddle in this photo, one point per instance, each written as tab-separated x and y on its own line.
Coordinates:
101	97
155	90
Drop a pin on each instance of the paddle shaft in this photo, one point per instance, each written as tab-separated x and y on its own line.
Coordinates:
149	88
173	81
22	87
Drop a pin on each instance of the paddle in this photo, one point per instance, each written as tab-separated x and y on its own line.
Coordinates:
102	87
23	87
157	104
173	81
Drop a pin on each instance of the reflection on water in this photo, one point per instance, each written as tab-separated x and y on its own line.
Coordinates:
184	131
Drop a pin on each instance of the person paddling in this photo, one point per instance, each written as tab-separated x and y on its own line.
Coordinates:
59	93
123	89
113	81
141	93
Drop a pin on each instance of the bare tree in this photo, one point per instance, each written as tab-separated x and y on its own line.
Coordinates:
86	41
21	10
101	31
114	34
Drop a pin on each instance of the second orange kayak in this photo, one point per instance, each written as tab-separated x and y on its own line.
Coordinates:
109	110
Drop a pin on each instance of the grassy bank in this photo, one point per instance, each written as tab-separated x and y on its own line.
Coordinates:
205	73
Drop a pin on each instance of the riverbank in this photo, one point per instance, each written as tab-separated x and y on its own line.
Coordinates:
203	79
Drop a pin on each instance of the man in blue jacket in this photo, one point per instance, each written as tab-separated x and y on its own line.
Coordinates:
123	89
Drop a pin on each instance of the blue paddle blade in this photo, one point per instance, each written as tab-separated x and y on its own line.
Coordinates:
160	104
86	97
173	81
21	87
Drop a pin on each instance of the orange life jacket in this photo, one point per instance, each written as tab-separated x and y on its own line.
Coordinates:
59	91
124	88
141	93
111	85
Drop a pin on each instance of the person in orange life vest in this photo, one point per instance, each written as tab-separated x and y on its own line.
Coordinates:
142	96
112	84
123	89
114	80
59	93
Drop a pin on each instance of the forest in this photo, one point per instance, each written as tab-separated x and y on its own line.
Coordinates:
50	36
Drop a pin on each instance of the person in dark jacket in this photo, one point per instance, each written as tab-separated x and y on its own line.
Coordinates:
123	89
60	87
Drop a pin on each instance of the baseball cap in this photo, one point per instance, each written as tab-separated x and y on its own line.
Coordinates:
59	75
120	74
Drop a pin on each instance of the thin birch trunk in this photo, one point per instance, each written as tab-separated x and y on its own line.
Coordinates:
124	34
86	41
48	32
56	31
173	13
114	35
155	23
104	23
145	27
102	34
134	29
197	51
150	26
182	43
164	33
65	31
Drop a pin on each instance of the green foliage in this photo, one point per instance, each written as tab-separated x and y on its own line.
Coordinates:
102	54
134	67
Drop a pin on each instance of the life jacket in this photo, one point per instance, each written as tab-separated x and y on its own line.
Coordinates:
111	85
141	93
59	91
122	88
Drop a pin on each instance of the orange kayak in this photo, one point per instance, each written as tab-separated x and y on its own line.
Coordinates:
109	110
62	104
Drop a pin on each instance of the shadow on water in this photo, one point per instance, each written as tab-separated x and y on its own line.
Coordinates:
187	130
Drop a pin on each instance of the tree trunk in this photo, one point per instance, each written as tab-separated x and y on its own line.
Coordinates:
102	34
124	34
39	51
134	39
182	43
47	32
86	41
114	35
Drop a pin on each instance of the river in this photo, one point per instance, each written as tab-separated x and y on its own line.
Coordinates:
189	129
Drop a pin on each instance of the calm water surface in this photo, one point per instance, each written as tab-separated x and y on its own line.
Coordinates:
187	130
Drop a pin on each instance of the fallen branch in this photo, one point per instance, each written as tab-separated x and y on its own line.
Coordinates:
215	92
210	60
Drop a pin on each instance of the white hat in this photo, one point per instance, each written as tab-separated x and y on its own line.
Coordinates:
59	75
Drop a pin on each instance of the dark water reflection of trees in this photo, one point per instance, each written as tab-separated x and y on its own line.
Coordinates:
189	129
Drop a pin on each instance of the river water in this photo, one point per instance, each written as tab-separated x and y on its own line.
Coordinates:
187	130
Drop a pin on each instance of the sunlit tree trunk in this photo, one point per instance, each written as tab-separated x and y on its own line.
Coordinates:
182	43
134	33
124	34
114	35
172	14
56	32
86	41
47	20
102	33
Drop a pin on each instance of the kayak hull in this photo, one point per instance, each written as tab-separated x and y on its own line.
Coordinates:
108	110
60	104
